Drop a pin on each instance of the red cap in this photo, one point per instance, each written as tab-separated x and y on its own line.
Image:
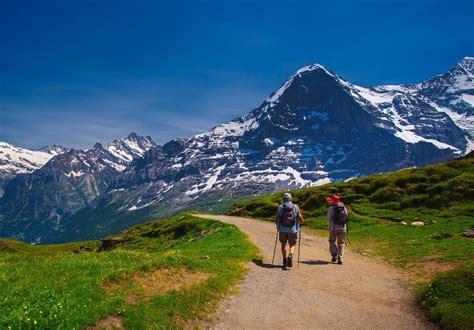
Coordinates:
334	199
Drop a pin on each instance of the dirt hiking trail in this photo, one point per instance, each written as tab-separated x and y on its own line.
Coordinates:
364	293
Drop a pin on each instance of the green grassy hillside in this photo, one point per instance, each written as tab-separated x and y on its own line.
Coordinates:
162	273
382	208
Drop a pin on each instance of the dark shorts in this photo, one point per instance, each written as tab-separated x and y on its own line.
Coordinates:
288	237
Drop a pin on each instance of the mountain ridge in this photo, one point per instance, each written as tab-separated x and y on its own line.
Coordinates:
68	182
315	128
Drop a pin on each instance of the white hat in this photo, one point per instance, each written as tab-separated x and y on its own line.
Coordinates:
287	197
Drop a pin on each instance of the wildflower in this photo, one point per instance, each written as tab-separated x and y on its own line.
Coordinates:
35	322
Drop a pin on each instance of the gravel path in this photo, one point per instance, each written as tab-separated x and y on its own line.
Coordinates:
364	293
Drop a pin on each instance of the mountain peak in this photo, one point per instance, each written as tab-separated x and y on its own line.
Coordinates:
298	74
467	64
132	135
53	149
312	67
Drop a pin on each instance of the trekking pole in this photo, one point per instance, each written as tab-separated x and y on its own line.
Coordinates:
347	235
274	249
348	241
299	249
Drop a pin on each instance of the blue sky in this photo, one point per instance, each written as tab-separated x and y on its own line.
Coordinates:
77	72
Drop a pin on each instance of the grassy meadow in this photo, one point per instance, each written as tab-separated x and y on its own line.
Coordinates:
161	274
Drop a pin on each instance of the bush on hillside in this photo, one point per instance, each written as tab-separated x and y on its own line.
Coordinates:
352	198
379	183
413	201
361	188
386	194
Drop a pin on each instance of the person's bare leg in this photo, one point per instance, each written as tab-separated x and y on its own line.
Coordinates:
292	248
283	250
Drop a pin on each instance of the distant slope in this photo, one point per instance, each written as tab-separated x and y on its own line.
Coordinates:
35	204
393	196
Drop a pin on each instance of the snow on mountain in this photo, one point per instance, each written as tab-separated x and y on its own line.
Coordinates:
53	149
68	182
15	160
315	128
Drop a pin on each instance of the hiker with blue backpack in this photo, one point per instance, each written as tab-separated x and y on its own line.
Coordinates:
288	221
337	217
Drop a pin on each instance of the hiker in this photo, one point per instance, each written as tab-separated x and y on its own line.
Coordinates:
337	218
288	221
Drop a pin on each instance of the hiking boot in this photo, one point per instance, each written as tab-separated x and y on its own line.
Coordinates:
284	264
289	261
334	259
340	261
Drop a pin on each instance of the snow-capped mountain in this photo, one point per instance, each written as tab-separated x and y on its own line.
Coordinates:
316	128
53	149
68	182
15	160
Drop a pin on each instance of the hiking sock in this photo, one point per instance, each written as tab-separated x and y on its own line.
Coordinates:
290	260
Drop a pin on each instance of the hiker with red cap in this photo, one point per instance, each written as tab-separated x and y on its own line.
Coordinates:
337	217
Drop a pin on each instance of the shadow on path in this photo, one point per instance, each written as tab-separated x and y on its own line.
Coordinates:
315	262
260	263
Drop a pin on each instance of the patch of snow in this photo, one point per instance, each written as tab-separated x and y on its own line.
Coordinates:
468	99
405	133
74	174
374	97
268	142
18	160
320	182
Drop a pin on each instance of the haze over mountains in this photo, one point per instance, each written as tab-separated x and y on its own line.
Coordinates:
316	128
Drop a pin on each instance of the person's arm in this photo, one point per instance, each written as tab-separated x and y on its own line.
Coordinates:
277	217
330	213
300	216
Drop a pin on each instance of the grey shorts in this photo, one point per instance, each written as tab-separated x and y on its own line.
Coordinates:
288	237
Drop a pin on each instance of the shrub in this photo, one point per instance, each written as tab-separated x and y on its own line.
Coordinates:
362	188
379	183
390	206
351	198
313	202
417	178
413	201
417	189
387	194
